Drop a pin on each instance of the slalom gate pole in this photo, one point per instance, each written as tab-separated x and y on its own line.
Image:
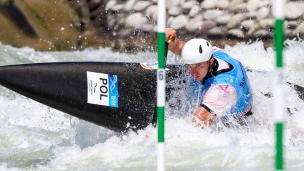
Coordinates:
278	9
161	84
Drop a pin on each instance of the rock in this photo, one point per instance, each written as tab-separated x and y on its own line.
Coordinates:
179	22
212	14
235	21
265	3
299	30
263	12
155	29
94	4
84	12
125	32
205	27
252	30
169	20
234	3
247	24
223	20
253	5
189	4
119	25
141	5
217	33
117	7
240	8
6	2
147	27
193	26
152	12
194	23
194	10
223	4
267	23
172	3
237	33
135	20
251	14
209	4
289	33
262	34
290	24
45	26
114	19
294	10
129	5
110	4
175	11
96	12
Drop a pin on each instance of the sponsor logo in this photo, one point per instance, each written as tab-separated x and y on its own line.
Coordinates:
113	90
149	66
102	89
95	87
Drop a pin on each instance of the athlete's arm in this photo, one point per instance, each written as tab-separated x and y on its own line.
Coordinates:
202	116
217	99
175	45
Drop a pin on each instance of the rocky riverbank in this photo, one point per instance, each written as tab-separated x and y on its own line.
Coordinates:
221	21
131	25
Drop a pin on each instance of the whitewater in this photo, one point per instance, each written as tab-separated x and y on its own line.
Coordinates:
36	137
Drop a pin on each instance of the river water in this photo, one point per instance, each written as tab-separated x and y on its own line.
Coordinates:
36	137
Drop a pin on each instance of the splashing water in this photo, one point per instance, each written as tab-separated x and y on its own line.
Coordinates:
36	137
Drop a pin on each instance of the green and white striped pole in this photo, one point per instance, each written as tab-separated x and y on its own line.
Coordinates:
278	9
161	84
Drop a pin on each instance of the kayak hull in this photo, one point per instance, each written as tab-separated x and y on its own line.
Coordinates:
64	86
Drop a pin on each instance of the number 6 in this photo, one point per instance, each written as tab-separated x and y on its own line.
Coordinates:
161	75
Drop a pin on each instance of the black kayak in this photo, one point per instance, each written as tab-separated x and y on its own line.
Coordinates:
116	95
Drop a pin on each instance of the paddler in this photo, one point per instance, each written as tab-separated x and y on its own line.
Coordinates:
218	80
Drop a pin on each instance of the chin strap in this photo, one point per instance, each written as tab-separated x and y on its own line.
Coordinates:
212	71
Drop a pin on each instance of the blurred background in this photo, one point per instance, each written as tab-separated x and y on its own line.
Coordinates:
131	25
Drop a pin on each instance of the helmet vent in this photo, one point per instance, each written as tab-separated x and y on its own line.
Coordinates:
207	43
200	49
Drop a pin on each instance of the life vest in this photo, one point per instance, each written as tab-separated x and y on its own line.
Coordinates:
236	77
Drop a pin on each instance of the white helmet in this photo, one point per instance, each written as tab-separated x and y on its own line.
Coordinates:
196	51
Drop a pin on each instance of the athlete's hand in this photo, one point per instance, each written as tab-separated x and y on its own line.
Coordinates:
175	45
202	118
170	35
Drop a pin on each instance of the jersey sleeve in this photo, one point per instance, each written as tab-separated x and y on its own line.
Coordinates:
219	98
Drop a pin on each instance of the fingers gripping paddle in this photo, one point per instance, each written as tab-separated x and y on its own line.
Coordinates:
171	39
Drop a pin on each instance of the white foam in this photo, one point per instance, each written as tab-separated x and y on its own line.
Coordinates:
46	139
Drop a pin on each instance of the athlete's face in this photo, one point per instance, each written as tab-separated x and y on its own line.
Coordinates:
199	71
